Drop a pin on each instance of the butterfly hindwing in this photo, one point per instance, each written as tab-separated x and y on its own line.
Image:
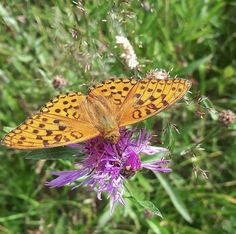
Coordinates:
115	89
67	105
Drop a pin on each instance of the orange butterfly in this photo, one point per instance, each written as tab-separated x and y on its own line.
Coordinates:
73	117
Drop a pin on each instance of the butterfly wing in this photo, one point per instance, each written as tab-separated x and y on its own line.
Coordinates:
116	90
135	100
149	97
60	122
63	121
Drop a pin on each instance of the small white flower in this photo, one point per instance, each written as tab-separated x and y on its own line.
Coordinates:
128	52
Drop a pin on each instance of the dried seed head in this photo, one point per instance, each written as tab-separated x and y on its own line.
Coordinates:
157	74
148	214
22	19
200	114
227	117
74	33
59	82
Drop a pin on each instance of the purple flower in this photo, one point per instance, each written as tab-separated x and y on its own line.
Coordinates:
105	166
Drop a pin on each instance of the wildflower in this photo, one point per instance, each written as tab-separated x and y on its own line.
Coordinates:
128	52
105	167
227	117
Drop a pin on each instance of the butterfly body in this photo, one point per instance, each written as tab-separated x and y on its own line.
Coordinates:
71	118
103	117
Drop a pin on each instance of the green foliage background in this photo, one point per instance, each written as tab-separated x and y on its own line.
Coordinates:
194	39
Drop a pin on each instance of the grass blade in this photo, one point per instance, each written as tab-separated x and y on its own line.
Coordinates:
175	198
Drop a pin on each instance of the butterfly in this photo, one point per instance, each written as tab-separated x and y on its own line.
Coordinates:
73	117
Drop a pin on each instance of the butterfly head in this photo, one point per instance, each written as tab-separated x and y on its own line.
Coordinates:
113	137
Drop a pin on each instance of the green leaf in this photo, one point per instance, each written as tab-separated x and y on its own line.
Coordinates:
104	218
54	153
194	65
9	20
228	72
143	204
156	227
206	102
232	126
60	226
7	129
144	182
148	205
175	197
24	58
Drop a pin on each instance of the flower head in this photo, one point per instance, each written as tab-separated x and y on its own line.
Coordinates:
128	52
227	117
106	166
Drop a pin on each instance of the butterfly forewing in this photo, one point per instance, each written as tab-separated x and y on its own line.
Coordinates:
60	122
149	97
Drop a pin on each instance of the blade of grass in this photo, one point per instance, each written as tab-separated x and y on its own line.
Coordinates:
175	198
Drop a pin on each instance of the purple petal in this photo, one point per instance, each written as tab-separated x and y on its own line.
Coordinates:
66	177
150	150
157	166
